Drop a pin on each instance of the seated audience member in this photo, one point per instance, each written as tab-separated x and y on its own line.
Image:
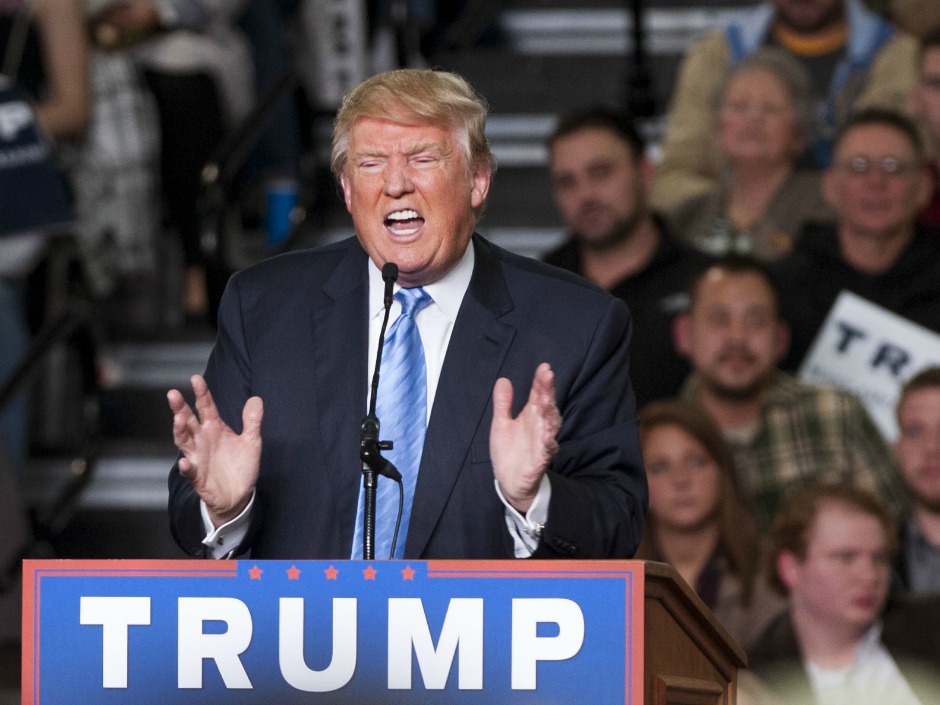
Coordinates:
877	185
600	179
842	640
784	433
696	521
764	115
113	171
856	58
918	452
926	98
197	67
43	52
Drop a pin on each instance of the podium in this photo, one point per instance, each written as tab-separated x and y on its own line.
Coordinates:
689	658
361	632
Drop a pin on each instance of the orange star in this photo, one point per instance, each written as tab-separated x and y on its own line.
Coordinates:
293	573
369	573
255	573
408	573
331	573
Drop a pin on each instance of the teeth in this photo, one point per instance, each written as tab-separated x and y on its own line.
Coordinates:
403	215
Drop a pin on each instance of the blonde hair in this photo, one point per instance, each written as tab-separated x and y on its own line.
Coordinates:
407	95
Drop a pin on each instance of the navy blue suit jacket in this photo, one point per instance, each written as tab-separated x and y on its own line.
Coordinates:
293	331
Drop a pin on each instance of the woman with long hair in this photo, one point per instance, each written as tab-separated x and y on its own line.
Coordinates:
697	522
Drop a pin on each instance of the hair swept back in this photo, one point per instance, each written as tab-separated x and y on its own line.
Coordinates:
797	515
416	95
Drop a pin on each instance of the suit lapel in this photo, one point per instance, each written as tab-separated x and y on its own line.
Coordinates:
477	348
341	341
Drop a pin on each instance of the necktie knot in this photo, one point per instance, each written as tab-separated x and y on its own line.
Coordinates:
412	300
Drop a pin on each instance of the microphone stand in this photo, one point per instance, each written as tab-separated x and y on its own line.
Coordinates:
370	447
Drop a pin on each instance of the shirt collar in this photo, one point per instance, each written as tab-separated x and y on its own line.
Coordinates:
447	292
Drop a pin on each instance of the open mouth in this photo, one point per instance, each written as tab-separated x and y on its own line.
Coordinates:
404	222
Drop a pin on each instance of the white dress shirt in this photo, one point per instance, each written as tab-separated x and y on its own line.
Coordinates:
873	678
435	324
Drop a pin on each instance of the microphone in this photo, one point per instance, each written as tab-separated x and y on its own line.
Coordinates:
369	444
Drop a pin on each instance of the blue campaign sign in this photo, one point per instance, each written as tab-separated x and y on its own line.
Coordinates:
337	633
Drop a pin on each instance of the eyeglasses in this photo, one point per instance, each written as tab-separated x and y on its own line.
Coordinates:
888	166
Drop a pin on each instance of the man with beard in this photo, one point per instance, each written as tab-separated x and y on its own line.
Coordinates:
856	58
600	179
784	433
918	453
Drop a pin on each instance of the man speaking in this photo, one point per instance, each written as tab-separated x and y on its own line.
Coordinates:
503	382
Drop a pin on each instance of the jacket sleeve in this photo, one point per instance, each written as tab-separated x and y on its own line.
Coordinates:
599	491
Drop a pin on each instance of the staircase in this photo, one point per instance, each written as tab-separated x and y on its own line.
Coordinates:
555	56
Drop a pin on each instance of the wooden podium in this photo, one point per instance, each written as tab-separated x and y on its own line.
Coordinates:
469	632
689	658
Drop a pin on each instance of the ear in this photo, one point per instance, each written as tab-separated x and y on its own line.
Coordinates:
479	186
788	569
681	334
647	173
829	190
916	99
782	340
347	193
925	188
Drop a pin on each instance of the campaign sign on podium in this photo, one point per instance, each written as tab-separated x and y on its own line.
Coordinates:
343	632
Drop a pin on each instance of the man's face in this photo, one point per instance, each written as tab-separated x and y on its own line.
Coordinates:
733	335
875	204
411	196
918	445
927	92
842	583
809	15
598	186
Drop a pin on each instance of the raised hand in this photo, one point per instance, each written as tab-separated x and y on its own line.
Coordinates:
521	448
221	464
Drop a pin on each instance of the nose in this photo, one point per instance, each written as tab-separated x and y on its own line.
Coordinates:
932	444
681	475
398	178
737	330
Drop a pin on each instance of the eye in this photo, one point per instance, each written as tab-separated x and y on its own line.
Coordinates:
370	165
424	160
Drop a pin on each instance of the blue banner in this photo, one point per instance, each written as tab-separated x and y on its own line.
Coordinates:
162	632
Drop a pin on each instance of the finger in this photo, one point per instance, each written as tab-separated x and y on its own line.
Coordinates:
545	376
251	419
205	405
176	401
502	400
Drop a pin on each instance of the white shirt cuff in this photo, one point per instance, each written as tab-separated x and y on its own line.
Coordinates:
222	541
527	530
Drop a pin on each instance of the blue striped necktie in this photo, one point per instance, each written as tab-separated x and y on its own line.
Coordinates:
401	407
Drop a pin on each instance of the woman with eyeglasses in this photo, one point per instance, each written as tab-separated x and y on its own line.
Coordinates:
764	122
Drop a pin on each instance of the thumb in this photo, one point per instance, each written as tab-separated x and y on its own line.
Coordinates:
251	419
502	399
